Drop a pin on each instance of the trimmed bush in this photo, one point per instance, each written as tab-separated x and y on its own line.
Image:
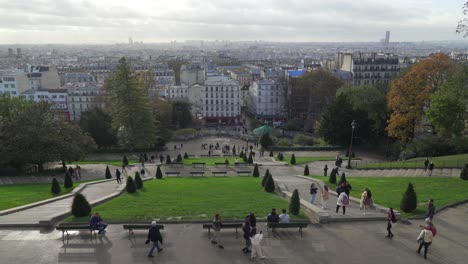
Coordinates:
226	162
68	183
168	159
409	202
185	155
266	141
108	173
306	170
159	174
250	159
295	203
265	177
80	206
271	153
241	154
138	180
130	187
342	179
293	159
179	158
280	156
55	186
303	140
244	158
464	173
125	160
256	172
270	184
332	178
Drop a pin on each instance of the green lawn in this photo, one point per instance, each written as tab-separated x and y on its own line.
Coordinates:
388	191
21	194
302	160
212	161
108	162
452	161
192	198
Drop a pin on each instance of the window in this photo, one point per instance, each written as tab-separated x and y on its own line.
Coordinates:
9	79
259	93
62	96
54	96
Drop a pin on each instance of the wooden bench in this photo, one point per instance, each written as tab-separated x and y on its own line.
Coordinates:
227	155
224	226
197	164
219	172
299	225
221	163
215	155
131	227
202	173
244	172
172	173
177	164
76	227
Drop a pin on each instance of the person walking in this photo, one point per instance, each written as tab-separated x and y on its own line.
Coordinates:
430	209
78	172
343	201
431	168
313	193
425	240
216	225
117	176
390	219
154	235
252	220
325	170
426	164
429	226
347	188
325	197
247	230
366	200
142	172
256	239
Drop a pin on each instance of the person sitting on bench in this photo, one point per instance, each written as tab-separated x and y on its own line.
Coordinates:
284	217
96	223
273	217
236	162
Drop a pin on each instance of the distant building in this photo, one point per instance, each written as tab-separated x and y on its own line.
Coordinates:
82	97
221	102
42	77
266	99
9	83
177	92
57	97
192	74
295	73
78	77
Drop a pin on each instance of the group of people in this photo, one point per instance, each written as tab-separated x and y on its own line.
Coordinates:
428	167
75	173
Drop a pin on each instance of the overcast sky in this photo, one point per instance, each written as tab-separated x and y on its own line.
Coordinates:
111	21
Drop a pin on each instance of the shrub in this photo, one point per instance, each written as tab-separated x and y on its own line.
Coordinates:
55	186
342	179
332	178
159	174
409	201
241	154
108	173
125	160
80	206
130	187
306	170
250	160
266	141
280	156
271	154
138	180
244	158
284	142
265	177
303	140
270	184
226	162
185	155
464	173
68	183
168	159
179	158
185	132
256	173
295	203
293	159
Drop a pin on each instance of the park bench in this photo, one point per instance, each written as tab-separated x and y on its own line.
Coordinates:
198	164
221	164
244	172
299	225
202	173
190	156
209	226
219	172
75	227
176	173
177	165
215	155
131	227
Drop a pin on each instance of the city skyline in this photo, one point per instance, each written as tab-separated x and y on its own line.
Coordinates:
106	22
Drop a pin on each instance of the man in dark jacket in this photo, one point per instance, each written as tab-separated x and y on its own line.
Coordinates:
96	223
154	236
273	217
430	209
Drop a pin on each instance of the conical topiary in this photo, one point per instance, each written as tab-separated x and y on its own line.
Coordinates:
241	154
55	186
295	203
271	153
464	173
332	178
293	159
244	157
138	180
179	158
342	179
409	202
130	187
270	184
306	170
256	172
68	183
168	159
226	162
185	155
250	159
280	156
80	206
159	174
265	177
108	173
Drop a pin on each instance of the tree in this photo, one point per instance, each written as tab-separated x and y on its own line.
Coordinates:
159	174
181	114
265	177
293	159
80	206
306	170
162	111
68	183
108	173
462	27
185	155
342	179
55	186
270	184
130	187
98	124
411	93
179	158
265	141
409	202
138	180
130	107
332	178
168	159
295	203
464	173
75	144
250	160
256	172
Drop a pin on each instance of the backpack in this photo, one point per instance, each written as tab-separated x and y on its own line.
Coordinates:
345	200
394	220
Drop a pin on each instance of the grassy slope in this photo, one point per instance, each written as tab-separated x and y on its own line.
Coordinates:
192	198
212	161
388	191
303	160
452	161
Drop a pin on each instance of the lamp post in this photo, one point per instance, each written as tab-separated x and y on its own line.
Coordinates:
353	126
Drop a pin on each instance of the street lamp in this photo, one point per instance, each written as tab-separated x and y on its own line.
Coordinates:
353	126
